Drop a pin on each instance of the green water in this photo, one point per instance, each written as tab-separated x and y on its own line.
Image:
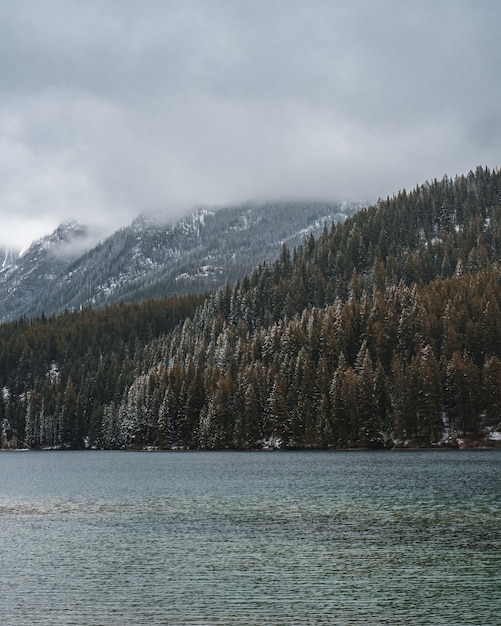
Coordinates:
250	538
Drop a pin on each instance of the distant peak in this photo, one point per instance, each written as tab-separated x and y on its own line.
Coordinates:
71	227
68	233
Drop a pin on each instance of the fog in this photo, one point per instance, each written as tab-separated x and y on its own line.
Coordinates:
113	108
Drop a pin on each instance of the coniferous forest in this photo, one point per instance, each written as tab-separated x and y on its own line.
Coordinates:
385	331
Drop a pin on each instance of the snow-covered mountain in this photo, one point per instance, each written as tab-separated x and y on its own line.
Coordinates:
24	276
7	257
148	259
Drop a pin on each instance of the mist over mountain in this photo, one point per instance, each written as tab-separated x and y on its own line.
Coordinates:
26	275
149	259
382	331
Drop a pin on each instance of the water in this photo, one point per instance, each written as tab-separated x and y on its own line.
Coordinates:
116	538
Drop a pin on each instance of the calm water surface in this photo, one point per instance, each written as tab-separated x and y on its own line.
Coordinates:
101	538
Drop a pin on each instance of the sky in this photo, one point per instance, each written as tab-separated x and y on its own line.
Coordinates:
113	108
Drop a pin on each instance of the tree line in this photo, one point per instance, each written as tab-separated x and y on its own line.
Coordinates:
384	331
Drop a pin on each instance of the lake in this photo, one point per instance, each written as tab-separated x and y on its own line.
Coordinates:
115	538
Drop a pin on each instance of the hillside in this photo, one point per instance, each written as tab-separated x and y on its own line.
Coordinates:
23	277
384	331
150	259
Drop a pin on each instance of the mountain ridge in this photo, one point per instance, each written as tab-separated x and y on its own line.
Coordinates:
382	332
149	259
25	275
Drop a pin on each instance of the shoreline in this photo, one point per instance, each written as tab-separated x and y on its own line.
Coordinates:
477	445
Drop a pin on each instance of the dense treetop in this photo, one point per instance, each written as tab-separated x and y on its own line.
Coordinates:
386	330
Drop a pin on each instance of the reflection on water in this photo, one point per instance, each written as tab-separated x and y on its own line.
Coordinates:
250	538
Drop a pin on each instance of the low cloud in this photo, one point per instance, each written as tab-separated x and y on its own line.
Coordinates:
110	109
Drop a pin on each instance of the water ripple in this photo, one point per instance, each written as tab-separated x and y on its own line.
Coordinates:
309	538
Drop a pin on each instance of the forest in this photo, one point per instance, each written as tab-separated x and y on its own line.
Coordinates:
385	331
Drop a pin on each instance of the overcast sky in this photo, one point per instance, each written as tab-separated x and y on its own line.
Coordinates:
110	108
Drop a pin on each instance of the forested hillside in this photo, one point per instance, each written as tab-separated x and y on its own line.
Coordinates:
58	373
384	331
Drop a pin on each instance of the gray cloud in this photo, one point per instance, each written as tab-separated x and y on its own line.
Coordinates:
112	108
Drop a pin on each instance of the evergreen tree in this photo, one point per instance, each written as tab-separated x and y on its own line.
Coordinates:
429	395
492	392
370	430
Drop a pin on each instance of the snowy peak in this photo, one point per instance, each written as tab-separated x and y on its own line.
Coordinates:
69	230
25	276
153	258
7	258
66	241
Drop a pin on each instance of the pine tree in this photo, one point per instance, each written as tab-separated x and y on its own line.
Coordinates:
338	403
278	415
429	396
72	433
463	395
370	429
492	392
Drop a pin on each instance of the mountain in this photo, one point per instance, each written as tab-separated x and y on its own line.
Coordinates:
383	331
149	259
25	276
7	257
